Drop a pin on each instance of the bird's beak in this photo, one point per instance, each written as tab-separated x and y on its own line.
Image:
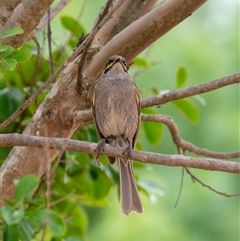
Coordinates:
120	63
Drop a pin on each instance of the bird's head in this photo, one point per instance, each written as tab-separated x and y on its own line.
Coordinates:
116	64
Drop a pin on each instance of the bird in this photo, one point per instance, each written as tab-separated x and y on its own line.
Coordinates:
116	114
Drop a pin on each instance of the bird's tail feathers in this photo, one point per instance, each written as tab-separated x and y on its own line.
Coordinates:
130	200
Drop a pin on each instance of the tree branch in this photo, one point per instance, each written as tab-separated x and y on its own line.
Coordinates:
191	91
185	145
142	33
145	157
26	15
195	179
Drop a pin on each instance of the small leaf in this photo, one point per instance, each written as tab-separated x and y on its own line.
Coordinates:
27	228
187	109
4	54
4	48
151	187
55	222
1	70
140	62
200	99
153	130
12	32
12	216
9	64
72	25
101	182
21	54
10	99
181	77
10	232
25	187
155	91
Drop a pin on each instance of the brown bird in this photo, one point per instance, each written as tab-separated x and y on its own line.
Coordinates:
116	112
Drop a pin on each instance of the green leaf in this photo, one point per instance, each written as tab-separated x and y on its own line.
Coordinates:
4	54
72	25
9	64
153	130
140	62
151	187
25	187
12	216
56	224
77	219
200	99
101	182
10	100
181	77
21	54
27	228
1	70
10	232
187	109
4	47
54	221
12	32
155	90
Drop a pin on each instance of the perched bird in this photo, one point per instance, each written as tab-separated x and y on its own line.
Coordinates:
116	112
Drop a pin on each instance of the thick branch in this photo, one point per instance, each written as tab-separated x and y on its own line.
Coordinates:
146	157
6	9
26	15
143	32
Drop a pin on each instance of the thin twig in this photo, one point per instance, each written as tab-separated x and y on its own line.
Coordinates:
36	65
194	178
49	34
63	198
180	190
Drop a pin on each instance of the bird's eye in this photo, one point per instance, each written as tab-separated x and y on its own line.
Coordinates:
108	66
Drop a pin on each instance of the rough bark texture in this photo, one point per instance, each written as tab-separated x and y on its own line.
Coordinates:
55	117
26	15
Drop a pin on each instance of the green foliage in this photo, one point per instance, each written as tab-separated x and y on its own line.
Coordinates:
187	109
72	25
11	97
185	106
75	28
27	216
153	131
181	77
10	57
140	63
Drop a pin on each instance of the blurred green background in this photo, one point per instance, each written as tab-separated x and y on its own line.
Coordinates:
206	44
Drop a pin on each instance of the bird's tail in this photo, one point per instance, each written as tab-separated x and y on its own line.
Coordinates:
130	200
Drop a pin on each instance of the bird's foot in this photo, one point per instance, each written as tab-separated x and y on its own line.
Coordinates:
127	152
100	146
